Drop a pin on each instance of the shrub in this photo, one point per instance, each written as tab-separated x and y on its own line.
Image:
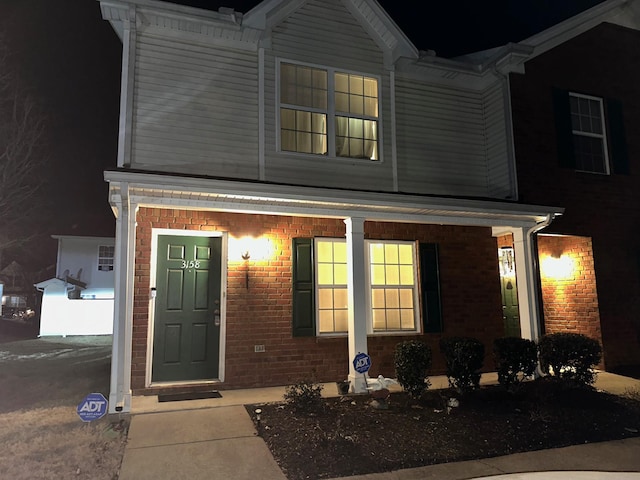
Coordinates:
464	356
304	396
412	360
515	358
570	357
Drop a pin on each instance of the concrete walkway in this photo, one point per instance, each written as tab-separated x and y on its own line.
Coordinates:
215	439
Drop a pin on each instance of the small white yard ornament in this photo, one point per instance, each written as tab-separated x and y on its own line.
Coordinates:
381	383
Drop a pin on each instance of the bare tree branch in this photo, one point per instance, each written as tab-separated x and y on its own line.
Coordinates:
21	157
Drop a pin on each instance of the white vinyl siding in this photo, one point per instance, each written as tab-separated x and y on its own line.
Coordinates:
195	109
500	172
441	139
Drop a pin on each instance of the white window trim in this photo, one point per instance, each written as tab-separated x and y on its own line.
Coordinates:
370	332
602	137
101	257
416	293
316	286
331	114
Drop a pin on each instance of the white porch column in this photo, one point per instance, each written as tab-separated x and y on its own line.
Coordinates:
527	284
120	394
357	292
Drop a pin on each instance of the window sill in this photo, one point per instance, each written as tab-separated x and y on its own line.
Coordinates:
331	158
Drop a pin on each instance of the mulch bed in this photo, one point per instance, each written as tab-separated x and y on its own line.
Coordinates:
347	436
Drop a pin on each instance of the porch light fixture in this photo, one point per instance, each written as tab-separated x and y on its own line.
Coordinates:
246	256
557	267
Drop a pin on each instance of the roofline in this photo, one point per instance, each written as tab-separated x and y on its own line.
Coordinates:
80	237
152	189
613	11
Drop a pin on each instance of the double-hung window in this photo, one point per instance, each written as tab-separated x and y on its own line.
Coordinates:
589	133
324	111
391	285
331	286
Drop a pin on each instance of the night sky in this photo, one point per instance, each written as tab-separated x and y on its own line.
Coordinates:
69	59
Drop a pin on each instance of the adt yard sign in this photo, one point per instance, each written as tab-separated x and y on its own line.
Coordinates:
93	407
362	363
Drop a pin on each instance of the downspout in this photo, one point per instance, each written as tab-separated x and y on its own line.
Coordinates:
532	235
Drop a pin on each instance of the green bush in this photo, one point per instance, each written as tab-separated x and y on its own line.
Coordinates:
412	360
304	396
570	357
515	359
464	356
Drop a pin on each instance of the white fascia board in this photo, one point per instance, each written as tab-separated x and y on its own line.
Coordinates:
193	22
512	57
472	72
189	192
373	18
79	237
622	12
382	28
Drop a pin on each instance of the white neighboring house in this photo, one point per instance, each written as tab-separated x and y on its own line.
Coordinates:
79	299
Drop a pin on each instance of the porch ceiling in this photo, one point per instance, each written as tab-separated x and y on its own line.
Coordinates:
164	191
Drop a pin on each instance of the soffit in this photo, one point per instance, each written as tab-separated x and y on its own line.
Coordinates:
246	197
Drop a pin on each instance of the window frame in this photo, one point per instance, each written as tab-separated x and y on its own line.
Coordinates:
579	166
417	310
331	113
101	258
415	288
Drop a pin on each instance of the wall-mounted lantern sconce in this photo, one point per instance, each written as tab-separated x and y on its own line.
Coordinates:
246	256
557	266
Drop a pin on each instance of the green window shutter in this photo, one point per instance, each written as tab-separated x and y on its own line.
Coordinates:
564	137
430	288
303	324
617	139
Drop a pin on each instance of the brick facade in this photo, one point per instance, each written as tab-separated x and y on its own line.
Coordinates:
261	314
569	290
604	62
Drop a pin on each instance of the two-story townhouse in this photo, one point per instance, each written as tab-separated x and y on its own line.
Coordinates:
298	185
576	108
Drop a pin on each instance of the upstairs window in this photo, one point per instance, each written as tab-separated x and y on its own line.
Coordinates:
589	136
105	258
328	112
590	133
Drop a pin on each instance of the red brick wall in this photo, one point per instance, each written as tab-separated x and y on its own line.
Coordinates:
262	314
570	298
605	62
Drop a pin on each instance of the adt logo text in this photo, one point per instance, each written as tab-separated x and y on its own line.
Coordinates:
93	407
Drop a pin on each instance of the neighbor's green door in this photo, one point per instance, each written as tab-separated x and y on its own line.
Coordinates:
186	338
510	313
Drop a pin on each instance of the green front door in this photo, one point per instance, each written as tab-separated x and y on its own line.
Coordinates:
510	310
186	335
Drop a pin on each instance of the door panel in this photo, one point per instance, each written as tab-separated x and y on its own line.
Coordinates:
510	310
186	342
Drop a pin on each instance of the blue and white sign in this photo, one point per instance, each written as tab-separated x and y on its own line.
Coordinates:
93	407
362	363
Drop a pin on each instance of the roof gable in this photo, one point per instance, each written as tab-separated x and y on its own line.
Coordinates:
620	12
368	13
